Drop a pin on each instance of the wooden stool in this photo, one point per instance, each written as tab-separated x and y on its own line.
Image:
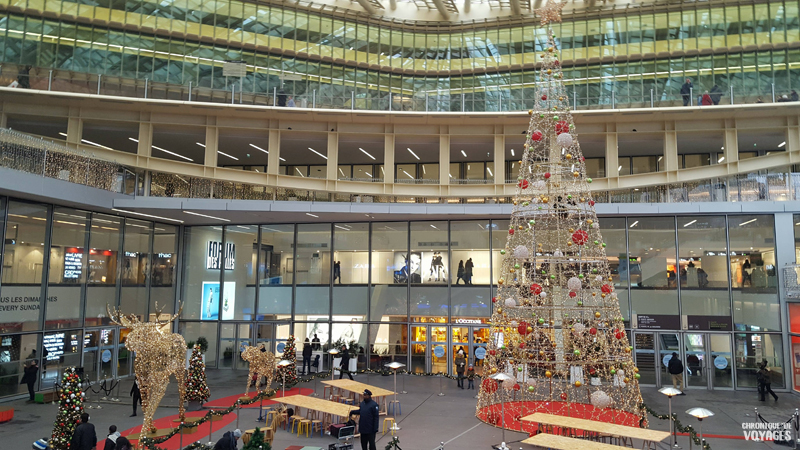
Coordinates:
327	392
392	405
303	424
271	416
317	425
295	421
390	421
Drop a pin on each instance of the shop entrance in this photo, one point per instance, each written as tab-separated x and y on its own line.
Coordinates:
425	339
99	353
707	358
233	337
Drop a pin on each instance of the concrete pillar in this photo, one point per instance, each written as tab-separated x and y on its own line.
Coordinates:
212	135
784	254
388	159
612	151
144	147
444	156
671	160
731	142
792	135
333	156
499	157
3	120
273	159
74	129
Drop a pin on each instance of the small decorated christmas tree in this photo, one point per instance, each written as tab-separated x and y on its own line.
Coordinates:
290	371
256	442
196	387
70	408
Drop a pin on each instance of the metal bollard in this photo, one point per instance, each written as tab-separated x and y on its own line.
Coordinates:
463	102
772	86
613	100
731	95
353	100
691	96
574	100
426	102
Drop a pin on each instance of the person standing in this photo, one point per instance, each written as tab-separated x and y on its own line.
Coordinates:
686	92
468	271
315	342
306	356
716	94
123	444
471	377
29	378
24	77
764	378
111	440
136	394
461	365
290	102
84	437
337	272
706	100
460	272
228	440
675	368
368	413
345	367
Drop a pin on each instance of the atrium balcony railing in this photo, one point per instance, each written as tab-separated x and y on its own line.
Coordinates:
488	99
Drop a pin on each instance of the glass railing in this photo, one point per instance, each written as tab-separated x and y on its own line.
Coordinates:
488	100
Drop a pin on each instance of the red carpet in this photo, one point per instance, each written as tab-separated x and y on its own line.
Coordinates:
227	402
174	443
515	410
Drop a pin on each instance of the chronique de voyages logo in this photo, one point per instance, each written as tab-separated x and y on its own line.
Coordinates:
767	431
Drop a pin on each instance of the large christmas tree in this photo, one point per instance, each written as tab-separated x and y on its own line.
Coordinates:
289	371
556	325
70	408
196	386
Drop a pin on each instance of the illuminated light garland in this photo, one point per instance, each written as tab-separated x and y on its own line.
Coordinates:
573	355
262	363
159	354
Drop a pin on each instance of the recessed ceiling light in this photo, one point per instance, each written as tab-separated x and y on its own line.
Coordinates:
512	152
206	216
366	153
320	154
634	224
462	152
145	215
781	144
722	158
259	148
312	215
201	145
172	153
412	153
229	156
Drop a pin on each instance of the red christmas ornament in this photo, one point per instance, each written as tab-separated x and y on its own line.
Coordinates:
580	237
516	386
544	97
511	231
489	385
583	158
592	371
556	63
562	127
547	175
606	289
536	136
536	289
494	299
563	396
573	294
521	345
523	328
593	330
619	335
523	184
492	352
591	202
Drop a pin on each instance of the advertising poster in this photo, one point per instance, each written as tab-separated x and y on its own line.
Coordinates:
209	308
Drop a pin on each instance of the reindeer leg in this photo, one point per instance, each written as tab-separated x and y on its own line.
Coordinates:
180	376
157	390
249	379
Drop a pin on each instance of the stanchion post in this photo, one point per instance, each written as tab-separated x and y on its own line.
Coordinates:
180	431
238	412
441	375
405	372
211	428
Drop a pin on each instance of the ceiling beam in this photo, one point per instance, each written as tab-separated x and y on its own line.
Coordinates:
368	6
442	9
516	9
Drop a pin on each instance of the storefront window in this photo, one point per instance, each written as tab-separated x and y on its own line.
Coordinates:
60	350
350	271
162	278
703	272
239	272
613	231
795	355
16	352
390	271
428	265
104	245
313	269
751	351
754	273
191	331
22	266
653	272
470	269
389	343
276	271
499	240
67	273
202	267
135	260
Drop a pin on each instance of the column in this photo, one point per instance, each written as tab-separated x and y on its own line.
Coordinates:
273	159
333	156
671	160
784	254
388	158
444	156
499	157
144	147
731	141
74	129
612	151
211	142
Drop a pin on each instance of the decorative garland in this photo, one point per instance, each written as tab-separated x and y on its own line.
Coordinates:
394	444
679	427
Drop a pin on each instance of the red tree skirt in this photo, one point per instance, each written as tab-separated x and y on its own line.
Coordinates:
227	402
514	411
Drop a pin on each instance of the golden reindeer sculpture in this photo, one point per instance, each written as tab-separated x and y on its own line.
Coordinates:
159	354
262	363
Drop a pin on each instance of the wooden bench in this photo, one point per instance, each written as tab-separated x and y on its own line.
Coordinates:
623	433
566	443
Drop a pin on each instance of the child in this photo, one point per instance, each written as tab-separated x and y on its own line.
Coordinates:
471	377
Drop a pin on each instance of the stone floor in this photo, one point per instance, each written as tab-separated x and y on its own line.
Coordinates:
427	418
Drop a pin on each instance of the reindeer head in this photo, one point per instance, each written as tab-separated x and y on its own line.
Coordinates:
141	332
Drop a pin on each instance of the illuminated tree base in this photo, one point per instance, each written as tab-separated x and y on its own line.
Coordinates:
515	410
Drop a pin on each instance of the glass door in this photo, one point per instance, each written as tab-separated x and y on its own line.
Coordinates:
645	357
460	341
439	353
695	360
668	343
419	348
265	334
244	338
480	337
233	337
98	354
720	361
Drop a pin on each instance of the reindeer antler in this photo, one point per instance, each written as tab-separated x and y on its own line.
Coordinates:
118	318
177	314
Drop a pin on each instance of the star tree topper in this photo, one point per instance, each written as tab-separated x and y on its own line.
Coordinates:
551	12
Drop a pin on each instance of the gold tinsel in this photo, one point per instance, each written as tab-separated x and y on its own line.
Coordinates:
262	363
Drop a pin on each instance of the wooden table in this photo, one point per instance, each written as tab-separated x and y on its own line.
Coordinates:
318	404
380	394
648	437
565	443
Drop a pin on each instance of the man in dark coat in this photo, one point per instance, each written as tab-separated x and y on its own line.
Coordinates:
716	94
111	439
306	356
675	368
345	367
368	421
228	440
29	378
686	92
764	379
84	438
136	394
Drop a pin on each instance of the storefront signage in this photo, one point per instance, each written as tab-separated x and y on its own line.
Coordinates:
721	362
281	347
165	255
106	356
54	344
710	323
438	351
469	321
480	353
214	255
657	322
73	264
131	254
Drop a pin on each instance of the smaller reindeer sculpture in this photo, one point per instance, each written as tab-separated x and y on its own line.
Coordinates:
262	363
159	354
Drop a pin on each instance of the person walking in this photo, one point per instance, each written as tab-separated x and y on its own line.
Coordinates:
368	414
460	272
84	437
337	272
764	377
123	444
468	271
686	92
136	394
111	439
461	365
345	367
675	368
228	440
306	356
29	378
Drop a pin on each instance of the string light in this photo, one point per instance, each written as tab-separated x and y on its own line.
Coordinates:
262	363
551	12
556	327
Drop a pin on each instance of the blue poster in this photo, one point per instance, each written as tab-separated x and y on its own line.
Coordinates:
209	308
438	351
480	353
